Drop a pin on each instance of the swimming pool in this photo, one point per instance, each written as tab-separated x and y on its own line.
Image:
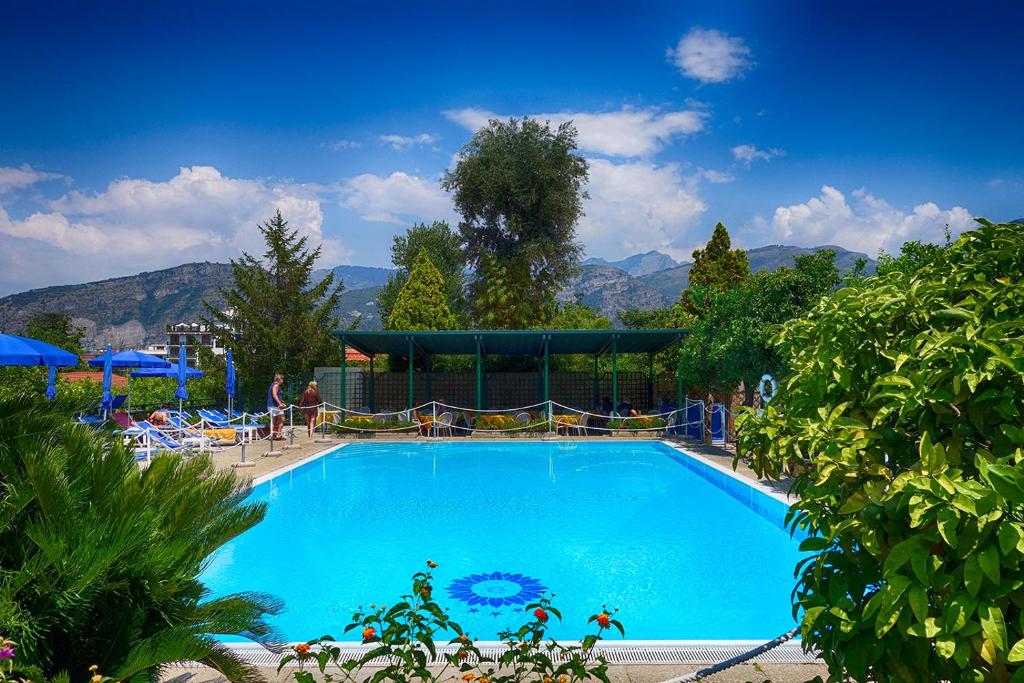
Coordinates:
683	549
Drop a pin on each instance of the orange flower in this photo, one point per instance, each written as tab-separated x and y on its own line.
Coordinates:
464	638
463	654
302	649
97	678
564	678
369	633
431	564
541	615
468	677
425	592
485	679
94	667
549	679
603	620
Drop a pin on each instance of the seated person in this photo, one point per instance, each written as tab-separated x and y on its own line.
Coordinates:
625	409
159	417
667	405
606	405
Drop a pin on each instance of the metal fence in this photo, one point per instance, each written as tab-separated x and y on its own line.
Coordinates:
389	391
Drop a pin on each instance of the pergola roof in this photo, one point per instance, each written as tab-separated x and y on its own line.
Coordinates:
510	342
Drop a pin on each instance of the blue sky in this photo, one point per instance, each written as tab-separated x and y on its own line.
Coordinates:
136	136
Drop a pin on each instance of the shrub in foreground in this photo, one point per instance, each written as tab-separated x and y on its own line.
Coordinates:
99	561
904	416
404	636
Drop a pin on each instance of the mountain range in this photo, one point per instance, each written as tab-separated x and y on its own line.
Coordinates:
134	310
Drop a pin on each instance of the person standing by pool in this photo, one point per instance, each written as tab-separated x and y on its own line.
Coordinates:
275	407
310	404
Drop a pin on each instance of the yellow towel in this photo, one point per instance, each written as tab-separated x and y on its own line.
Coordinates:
220	434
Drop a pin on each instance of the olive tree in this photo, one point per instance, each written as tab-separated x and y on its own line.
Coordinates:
903	411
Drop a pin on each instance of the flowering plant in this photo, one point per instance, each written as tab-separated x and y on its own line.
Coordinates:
401	646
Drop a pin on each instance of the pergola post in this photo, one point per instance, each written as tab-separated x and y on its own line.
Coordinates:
373	388
650	381
615	372
547	383
411	398
344	376
479	376
597	381
679	374
429	366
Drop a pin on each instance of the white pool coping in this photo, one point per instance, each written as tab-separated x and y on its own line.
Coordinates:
687	651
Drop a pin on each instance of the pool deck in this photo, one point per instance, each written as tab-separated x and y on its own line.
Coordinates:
303	448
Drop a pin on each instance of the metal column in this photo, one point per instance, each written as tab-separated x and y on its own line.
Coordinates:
615	372
411	404
679	373
373	388
650	381
479	376
344	376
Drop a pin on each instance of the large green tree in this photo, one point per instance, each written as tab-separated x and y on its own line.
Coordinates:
276	319
100	560
422	303
443	247
518	185
56	329
903	414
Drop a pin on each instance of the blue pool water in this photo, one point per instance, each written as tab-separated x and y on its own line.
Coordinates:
683	550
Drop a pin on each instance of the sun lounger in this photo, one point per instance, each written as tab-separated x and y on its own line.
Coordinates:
153	437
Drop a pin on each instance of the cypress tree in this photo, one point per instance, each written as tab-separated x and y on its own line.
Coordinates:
422	303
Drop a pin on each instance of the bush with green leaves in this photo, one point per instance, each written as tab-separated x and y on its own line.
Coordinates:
405	637
903	415
100	561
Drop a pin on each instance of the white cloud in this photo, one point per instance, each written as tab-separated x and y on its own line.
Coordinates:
341	145
17	178
750	153
396	198
716	177
627	132
638	206
710	56
136	224
403	141
866	224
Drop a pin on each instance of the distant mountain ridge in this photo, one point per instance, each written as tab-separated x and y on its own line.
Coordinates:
637	264
134	310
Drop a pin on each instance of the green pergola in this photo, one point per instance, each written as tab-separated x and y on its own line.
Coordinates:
537	343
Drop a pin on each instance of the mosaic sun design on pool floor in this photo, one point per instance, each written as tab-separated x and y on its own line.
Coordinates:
496	589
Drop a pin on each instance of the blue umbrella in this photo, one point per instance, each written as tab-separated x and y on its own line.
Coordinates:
171	371
15	350
131	359
106	360
229	380
181	393
51	385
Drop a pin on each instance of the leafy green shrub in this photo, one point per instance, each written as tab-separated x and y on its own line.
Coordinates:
99	561
367	424
404	634
638	422
903	417
509	422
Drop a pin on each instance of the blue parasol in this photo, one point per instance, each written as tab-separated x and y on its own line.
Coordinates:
51	384
181	393
106	360
15	350
170	371
229	380
131	359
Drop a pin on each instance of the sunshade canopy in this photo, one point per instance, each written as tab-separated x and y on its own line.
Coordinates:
15	350
171	371
510	342
131	359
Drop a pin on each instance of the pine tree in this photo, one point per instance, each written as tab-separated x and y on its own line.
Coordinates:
422	303
718	266
275	319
